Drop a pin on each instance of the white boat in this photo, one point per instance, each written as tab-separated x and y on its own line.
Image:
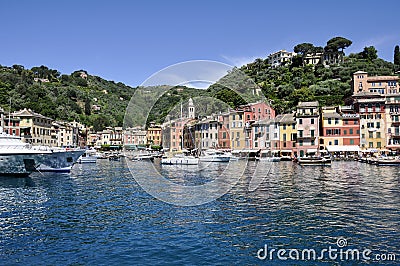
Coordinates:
267	156
90	156
215	156
180	159
143	157
389	160
19	158
314	160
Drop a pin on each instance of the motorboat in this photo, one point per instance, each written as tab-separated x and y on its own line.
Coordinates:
90	156
20	158
314	160
267	156
387	160
180	159
214	156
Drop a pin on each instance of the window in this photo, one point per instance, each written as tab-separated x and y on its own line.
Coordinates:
329	121
351	131
312	121
293	126
336	121
344	132
371	144
336	142
371	135
312	133
378	135
352	142
224	135
300	143
300	121
378	125
284	137
378	145
284	126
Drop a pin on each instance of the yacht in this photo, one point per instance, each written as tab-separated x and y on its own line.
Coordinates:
20	158
215	156
180	159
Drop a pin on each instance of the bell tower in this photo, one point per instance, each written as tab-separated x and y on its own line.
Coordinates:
191	109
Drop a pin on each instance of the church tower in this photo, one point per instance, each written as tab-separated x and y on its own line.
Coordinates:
191	110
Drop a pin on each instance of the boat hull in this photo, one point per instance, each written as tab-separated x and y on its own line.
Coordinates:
215	159
26	163
180	161
314	161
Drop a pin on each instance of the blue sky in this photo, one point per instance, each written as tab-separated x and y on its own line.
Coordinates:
128	41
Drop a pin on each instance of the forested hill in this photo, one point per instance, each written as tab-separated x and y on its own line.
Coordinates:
296	81
287	85
100	103
79	96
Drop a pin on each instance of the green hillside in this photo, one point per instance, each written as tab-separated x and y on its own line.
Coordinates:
76	96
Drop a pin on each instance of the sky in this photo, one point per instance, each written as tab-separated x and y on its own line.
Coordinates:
129	41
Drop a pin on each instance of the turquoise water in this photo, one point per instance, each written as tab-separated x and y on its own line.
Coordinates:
99	215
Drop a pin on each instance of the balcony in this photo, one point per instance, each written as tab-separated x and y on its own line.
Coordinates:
306	137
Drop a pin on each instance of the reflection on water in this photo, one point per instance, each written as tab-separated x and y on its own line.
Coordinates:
99	215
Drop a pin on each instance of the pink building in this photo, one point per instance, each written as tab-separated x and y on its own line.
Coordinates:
307	119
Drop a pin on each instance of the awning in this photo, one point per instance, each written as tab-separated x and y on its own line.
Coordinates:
338	148
286	150
311	150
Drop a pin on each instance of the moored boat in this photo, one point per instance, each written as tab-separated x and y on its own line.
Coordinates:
267	156
215	156
383	161
19	158
314	160
89	156
180	159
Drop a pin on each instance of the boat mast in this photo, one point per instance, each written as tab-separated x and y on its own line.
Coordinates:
9	119
181	126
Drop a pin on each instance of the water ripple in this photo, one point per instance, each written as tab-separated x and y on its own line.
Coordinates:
99	215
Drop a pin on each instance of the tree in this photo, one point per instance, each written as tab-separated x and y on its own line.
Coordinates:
303	48
396	59
337	43
369	53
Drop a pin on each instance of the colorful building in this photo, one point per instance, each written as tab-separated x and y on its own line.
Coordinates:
392	113
371	108
287	134
307	119
154	135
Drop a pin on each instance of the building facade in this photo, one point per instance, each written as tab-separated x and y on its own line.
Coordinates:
307	119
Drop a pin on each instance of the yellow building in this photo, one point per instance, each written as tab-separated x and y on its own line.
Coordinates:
154	136
332	124
35	128
287	134
237	132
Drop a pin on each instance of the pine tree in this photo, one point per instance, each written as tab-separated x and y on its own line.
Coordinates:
396	59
